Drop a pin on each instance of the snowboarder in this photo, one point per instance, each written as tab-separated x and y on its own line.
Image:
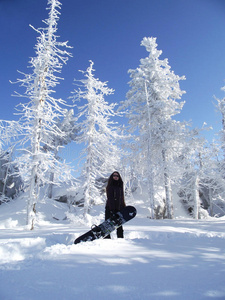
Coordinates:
115	199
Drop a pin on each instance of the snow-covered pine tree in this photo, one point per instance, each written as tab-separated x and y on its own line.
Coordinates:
221	107
98	132
221	156
193	171
213	185
40	115
217	181
69	131
10	182
152	102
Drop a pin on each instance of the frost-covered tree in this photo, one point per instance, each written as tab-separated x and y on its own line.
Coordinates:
98	132
192	172
213	185
153	101
217	181
69	131
10	181
221	107
39	117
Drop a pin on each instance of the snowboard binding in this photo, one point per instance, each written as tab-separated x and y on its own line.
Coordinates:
96	230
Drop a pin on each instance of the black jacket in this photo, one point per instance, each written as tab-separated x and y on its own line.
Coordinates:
115	197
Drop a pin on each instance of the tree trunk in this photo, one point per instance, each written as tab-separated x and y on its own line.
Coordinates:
151	186
149	161
167	184
50	188
33	199
87	192
196	197
210	202
34	181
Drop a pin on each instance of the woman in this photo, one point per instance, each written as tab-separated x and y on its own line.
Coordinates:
115	198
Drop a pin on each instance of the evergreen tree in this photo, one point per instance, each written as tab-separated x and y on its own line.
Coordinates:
191	162
221	107
68	128
216	184
10	181
97	132
153	102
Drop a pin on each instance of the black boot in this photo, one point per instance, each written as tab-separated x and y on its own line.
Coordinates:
120	232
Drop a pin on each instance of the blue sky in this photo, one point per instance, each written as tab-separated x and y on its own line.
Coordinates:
190	33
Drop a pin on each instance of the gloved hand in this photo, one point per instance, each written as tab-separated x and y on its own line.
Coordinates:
111	213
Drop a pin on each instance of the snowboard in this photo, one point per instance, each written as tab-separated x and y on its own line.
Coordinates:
112	223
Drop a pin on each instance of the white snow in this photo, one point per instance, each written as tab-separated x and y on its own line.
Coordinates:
157	259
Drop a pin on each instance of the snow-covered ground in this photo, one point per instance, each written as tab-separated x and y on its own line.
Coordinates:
158	259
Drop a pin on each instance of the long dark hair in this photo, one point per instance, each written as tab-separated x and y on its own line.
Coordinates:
119	182
111	181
